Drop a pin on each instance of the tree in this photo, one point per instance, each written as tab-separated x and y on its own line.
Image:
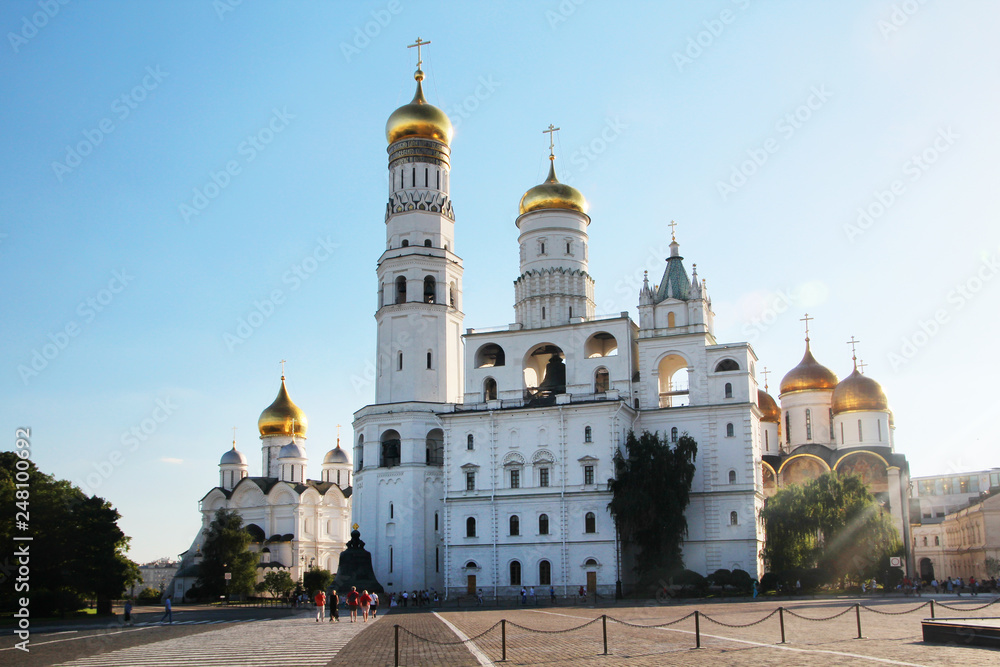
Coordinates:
831	522
225	551
992	567
278	583
316	579
77	549
651	490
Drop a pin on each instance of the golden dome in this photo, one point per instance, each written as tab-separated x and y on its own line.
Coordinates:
859	392
553	194
809	375
418	119
769	409
278	418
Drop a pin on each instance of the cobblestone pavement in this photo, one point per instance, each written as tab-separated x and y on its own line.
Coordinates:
292	642
574	636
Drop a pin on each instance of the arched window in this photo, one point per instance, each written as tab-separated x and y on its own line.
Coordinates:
788	428
671	320
401	289
545	573
730	431
732	476
602	381
515	525
430	358
399	361
925	540
543	524
726	365
589	523
359	454
489	389
588	434
470	441
470	527
430	289
809	424
381	294
435	521
451	294
490	355
427	243
391	512
390	450
406	244
673	434
471	565
734	519
434	446
729	390
515	573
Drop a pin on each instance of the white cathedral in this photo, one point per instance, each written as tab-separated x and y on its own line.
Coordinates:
484	461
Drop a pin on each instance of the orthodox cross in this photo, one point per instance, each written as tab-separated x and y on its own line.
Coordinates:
854	353
672	225
418	44
765	373
552	144
861	366
282	369
806	319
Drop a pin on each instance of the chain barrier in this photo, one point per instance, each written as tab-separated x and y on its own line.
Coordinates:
984	606
896	613
450	643
658	625
552	632
826	618
744	625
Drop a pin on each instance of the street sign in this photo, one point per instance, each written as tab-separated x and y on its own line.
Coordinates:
229	575
895	561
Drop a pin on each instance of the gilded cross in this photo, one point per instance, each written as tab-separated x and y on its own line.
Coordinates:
672	225
283	369
807	319
765	373
854	353
552	144
861	366
418	44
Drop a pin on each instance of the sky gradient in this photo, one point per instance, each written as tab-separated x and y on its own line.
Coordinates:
172	168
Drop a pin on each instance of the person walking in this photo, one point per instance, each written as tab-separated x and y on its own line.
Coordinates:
552	594
320	600
168	612
374	604
524	596
479	598
352	603
334	606
128	612
366	601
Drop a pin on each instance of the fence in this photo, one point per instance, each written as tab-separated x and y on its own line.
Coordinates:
401	633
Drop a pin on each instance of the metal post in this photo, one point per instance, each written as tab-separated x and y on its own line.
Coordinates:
932	608
857	613
503	640
604	627
781	621
697	630
396	644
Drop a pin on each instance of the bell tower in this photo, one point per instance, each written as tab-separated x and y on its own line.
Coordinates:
419	312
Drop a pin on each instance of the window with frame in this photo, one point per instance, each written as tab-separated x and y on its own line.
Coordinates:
588	434
588	474
543	524
590	523
515	478
515	525
788	428
543	477
515	573
470	527
729	390
673	434
470	441
730	430
809	424
545	573
732	476
734	519
470	481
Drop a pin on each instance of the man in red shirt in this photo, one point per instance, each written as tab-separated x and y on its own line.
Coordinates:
352	603
320	600
366	601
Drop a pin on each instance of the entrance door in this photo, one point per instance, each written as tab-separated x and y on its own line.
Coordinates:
591	582
471	587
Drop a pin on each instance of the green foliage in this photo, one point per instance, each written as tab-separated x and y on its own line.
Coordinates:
316	579
77	551
278	583
651	491
226	550
833	523
149	595
741	580
992	567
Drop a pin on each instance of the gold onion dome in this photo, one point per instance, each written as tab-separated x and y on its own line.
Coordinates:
768	407
553	194
809	375
418	119
859	393
279	417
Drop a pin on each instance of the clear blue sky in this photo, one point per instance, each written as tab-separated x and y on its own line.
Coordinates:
658	103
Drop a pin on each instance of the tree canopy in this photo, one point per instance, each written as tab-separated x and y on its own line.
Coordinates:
316	579
226	551
651	490
833	523
77	550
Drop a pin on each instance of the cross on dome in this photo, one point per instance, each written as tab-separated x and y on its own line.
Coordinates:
854	353
807	319
673	235
418	44
552	144
282	369
765	373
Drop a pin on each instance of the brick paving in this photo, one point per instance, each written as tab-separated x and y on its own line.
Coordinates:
554	636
